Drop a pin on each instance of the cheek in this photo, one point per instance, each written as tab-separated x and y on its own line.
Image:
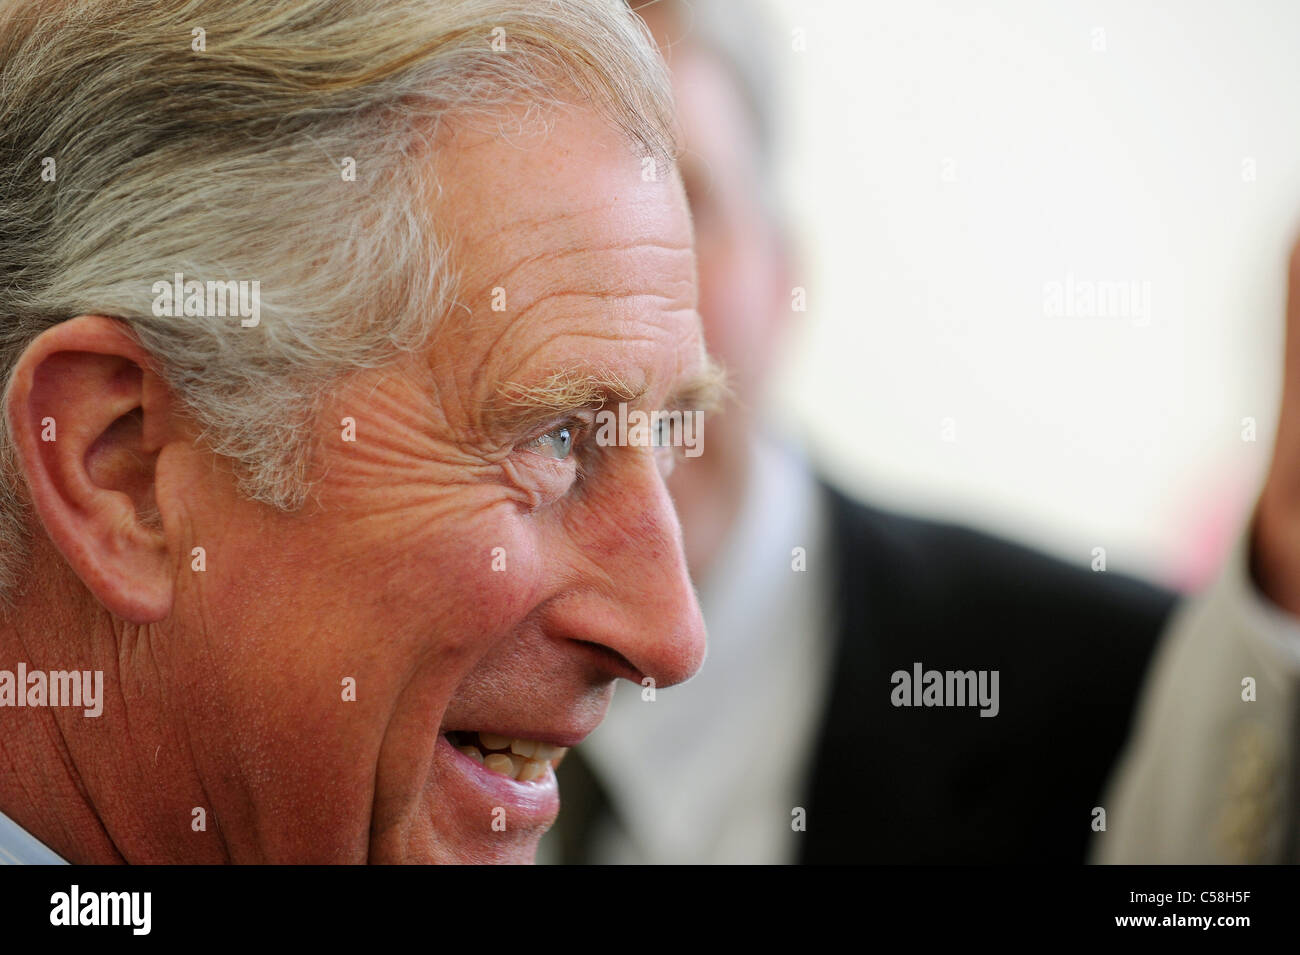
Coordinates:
459	585
383	591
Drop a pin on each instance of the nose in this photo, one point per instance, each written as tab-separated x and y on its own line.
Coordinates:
636	599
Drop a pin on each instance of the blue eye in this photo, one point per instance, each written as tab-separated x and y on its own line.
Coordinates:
556	443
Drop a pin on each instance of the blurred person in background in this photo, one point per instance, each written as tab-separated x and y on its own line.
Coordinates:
789	745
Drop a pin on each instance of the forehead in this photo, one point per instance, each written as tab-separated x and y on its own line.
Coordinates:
570	248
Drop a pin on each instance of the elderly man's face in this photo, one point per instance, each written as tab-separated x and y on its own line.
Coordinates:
468	564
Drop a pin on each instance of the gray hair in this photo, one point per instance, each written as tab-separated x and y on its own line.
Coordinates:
224	164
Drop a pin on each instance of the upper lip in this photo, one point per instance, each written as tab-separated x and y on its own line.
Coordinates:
563	737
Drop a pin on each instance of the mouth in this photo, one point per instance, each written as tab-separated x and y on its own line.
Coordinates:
500	788
523	760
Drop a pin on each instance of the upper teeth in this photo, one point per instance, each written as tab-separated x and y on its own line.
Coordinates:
526	760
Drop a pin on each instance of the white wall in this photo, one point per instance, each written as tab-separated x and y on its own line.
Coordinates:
947	161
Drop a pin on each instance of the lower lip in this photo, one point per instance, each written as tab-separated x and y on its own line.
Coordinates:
527	805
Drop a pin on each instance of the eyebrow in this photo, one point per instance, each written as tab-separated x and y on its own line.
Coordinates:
516	407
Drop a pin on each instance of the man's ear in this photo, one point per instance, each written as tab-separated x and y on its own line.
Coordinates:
88	418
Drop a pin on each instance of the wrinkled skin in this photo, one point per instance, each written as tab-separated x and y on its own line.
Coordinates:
225	688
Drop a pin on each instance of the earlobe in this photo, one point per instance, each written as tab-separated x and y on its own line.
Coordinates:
88	418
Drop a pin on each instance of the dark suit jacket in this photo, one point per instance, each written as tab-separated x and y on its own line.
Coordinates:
943	784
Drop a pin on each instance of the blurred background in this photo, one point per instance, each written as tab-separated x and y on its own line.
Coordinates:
1042	248
1020	266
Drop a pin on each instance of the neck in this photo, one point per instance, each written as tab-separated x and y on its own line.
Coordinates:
80	783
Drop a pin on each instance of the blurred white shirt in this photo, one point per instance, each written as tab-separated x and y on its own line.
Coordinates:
20	847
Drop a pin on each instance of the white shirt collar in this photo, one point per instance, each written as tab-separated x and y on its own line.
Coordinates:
20	847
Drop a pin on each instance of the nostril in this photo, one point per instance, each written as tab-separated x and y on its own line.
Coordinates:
613	661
